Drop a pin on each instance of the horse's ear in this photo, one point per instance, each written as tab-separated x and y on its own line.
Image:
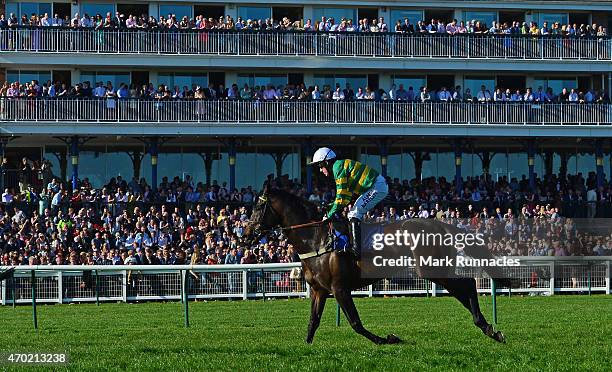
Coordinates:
265	188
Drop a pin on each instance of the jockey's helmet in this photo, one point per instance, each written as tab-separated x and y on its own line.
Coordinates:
322	154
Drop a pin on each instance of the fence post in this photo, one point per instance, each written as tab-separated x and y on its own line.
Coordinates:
97	289
245	284
552	278
34	315
371	290
125	284
434	289
494	297
60	287
609	278
185	281
3	289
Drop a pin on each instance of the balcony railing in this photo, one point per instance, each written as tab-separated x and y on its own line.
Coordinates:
252	43
306	112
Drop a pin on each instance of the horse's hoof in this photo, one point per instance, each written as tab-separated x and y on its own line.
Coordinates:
499	337
393	339
496	335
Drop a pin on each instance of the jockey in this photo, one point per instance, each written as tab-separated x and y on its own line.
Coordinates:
352	179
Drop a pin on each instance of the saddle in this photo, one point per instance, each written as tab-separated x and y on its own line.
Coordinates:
339	235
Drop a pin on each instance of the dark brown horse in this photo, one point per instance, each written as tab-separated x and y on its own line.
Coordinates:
339	273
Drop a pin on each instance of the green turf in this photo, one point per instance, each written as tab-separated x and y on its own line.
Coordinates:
543	333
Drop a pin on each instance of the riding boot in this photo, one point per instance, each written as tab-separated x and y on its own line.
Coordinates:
356	237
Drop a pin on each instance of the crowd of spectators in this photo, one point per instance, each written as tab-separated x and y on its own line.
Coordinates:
298	92
183	221
325	24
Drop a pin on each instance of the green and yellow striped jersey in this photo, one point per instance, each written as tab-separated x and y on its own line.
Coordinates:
352	178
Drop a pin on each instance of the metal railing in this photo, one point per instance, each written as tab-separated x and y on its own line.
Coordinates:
68	284
255	43
313	112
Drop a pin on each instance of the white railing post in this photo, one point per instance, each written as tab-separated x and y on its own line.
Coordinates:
552	278
609	278
434	289
307	290
245	286
60	287
371	290
3	290
124	286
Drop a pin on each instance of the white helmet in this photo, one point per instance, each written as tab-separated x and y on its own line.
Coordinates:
322	154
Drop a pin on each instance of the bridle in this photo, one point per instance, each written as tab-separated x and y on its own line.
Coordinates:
278	230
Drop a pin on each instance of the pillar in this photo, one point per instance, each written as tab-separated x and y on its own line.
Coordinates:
136	158
486	163
308	13
563	167
418	165
531	163
208	160
74	158
458	179
2	146
231	9
231	151
384	153
154	10
307	150
548	162
154	152
599	163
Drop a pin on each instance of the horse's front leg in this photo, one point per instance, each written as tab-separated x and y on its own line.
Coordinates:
317	304
345	300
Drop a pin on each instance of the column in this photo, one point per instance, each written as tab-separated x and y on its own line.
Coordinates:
418	165
531	163
384	152
486	163
2	146
231	152
231	10
548	162
74	157
563	168
154	10
74	9
385	12
75	77
458	179
307	151
308	13
154	152
599	162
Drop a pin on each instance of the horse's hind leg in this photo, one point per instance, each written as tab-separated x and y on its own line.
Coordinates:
345	300
317	304
464	290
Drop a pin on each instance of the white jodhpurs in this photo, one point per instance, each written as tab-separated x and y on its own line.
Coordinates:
369	199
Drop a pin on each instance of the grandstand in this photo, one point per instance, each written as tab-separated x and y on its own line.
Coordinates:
217	133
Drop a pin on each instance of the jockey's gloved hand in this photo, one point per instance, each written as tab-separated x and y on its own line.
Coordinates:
325	218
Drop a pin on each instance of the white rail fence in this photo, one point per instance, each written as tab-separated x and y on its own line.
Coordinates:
318	112
65	284
342	44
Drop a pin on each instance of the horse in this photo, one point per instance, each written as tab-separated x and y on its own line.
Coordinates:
328	271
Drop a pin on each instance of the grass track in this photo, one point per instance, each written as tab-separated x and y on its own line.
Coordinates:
544	333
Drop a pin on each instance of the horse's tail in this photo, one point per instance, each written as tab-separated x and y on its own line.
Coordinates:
495	272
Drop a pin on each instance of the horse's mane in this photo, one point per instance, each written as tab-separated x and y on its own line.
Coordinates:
297	202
